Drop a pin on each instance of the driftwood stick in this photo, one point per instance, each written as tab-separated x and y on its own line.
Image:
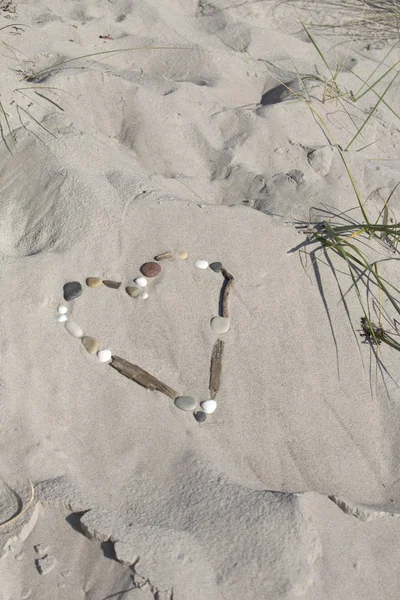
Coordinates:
141	377
215	369
228	283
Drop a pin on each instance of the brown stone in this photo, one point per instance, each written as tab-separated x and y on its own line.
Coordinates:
94	282
132	291
150	269
112	284
164	256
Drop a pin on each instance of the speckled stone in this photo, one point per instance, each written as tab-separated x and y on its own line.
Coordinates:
209	406
220	324
132	291
165	255
216	267
182	254
200	416
104	355
94	282
185	403
72	290
115	285
73	329
90	344
201	264
150	269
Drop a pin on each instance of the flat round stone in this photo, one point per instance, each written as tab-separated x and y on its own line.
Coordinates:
216	267
90	344
62	310
150	269
141	281
132	291
220	324
208	406
201	264
182	254
73	329
72	290
200	416
104	355
94	282
185	403
62	318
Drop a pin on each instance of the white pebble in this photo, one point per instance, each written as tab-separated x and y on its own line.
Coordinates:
73	329
201	264
141	281
62	318
145	295
104	355
62	310
208	406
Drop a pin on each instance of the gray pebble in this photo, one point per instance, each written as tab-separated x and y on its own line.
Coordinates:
185	403
200	416
72	290
216	267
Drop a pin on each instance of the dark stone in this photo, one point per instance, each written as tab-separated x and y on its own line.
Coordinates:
216	267
72	290
115	285
200	416
150	269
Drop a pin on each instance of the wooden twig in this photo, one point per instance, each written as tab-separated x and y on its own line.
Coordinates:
141	377
228	286
215	369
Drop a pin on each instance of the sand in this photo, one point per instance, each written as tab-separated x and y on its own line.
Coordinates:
291	489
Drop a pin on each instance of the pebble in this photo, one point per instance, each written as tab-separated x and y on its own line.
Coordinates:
208	406
62	318
115	285
62	310
150	269
201	264
165	255
185	403
90	344
216	267
200	416
73	329
72	290
220	324
141	281
94	282
104	355
145	295
182	254
132	291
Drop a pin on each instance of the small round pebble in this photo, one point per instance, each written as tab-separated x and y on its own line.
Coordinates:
145	295
62	310
185	403
72	290
201	264
73	329
132	291
150	269
94	282
200	416
216	267
90	344
208	406
104	355
182	254
141	281
220	324
62	318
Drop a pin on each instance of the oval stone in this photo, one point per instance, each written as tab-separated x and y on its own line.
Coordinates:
200	416
114	285
132	291
62	310
73	329
150	269
72	290
220	324
94	282
185	403
62	318
182	254
104	355
90	344
208	406
165	255
141	281
201	264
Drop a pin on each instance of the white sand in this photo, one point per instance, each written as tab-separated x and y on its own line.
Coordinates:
291	488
